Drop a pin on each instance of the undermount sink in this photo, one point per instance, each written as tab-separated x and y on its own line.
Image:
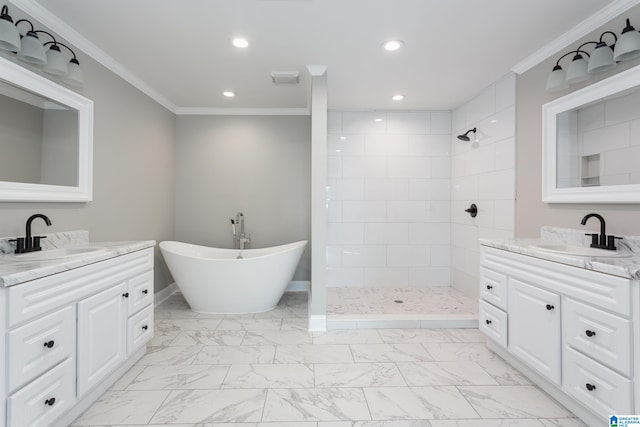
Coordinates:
52	254
561	248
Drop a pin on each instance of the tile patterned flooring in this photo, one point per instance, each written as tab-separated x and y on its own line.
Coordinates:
266	370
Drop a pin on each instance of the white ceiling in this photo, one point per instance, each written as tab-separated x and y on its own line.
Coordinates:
180	49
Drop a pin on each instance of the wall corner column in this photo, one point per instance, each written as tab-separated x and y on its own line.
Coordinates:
318	289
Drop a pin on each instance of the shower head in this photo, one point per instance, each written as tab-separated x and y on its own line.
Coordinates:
464	136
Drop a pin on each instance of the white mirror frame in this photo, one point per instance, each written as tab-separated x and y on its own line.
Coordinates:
600	194
24	192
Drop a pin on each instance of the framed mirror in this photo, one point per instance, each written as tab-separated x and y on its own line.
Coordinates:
591	143
46	139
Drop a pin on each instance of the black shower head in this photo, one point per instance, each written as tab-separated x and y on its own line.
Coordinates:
465	137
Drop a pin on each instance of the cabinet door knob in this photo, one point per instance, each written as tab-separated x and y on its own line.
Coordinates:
145	327
488	322
50	401
589	333
590	387
126	295
550	307
49	344
146	291
489	287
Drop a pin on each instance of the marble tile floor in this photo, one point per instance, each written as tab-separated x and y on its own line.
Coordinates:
267	370
434	307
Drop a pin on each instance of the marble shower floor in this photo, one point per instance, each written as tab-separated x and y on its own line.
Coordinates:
267	370
435	307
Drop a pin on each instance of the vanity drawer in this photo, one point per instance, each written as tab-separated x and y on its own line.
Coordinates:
140	290
595	386
601	336
493	287
45	399
139	329
39	345
493	323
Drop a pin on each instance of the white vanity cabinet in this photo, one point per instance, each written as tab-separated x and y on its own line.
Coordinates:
534	327
569	329
70	335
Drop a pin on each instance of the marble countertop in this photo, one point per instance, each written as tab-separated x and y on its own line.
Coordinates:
628	267
13	273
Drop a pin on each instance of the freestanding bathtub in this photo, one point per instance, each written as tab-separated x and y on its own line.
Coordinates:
214	280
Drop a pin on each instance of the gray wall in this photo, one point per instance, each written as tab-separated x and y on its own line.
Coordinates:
20	141
133	171
531	213
259	165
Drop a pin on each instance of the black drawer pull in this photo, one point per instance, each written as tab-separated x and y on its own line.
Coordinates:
550	307
488	322
50	402
126	295
49	344
146	291
145	327
589	333
489	287
590	387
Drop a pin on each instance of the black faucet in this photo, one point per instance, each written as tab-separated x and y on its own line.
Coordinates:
601	241
28	243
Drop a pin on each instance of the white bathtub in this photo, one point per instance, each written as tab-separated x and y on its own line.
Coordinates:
213	280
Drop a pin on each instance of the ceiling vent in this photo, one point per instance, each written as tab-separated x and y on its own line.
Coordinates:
285	77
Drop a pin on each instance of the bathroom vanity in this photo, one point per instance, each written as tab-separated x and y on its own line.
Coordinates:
73	324
571	323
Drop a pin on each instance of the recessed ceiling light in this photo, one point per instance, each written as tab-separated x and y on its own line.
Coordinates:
240	42
228	94
378	120
392	45
343	138
397	97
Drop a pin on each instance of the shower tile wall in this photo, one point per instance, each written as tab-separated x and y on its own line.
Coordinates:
483	172
600	144
389	199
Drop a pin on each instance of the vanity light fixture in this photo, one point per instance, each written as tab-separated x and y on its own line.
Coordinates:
9	35
29	48
628	47
603	58
392	45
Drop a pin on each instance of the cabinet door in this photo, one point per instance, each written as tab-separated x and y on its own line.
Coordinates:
101	336
534	328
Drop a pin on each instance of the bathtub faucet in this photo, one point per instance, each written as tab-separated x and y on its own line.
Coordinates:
239	235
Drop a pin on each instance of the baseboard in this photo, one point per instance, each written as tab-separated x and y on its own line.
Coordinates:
317	323
164	293
298	286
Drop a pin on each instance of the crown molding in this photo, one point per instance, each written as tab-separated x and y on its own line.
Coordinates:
41	14
590	24
197	111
